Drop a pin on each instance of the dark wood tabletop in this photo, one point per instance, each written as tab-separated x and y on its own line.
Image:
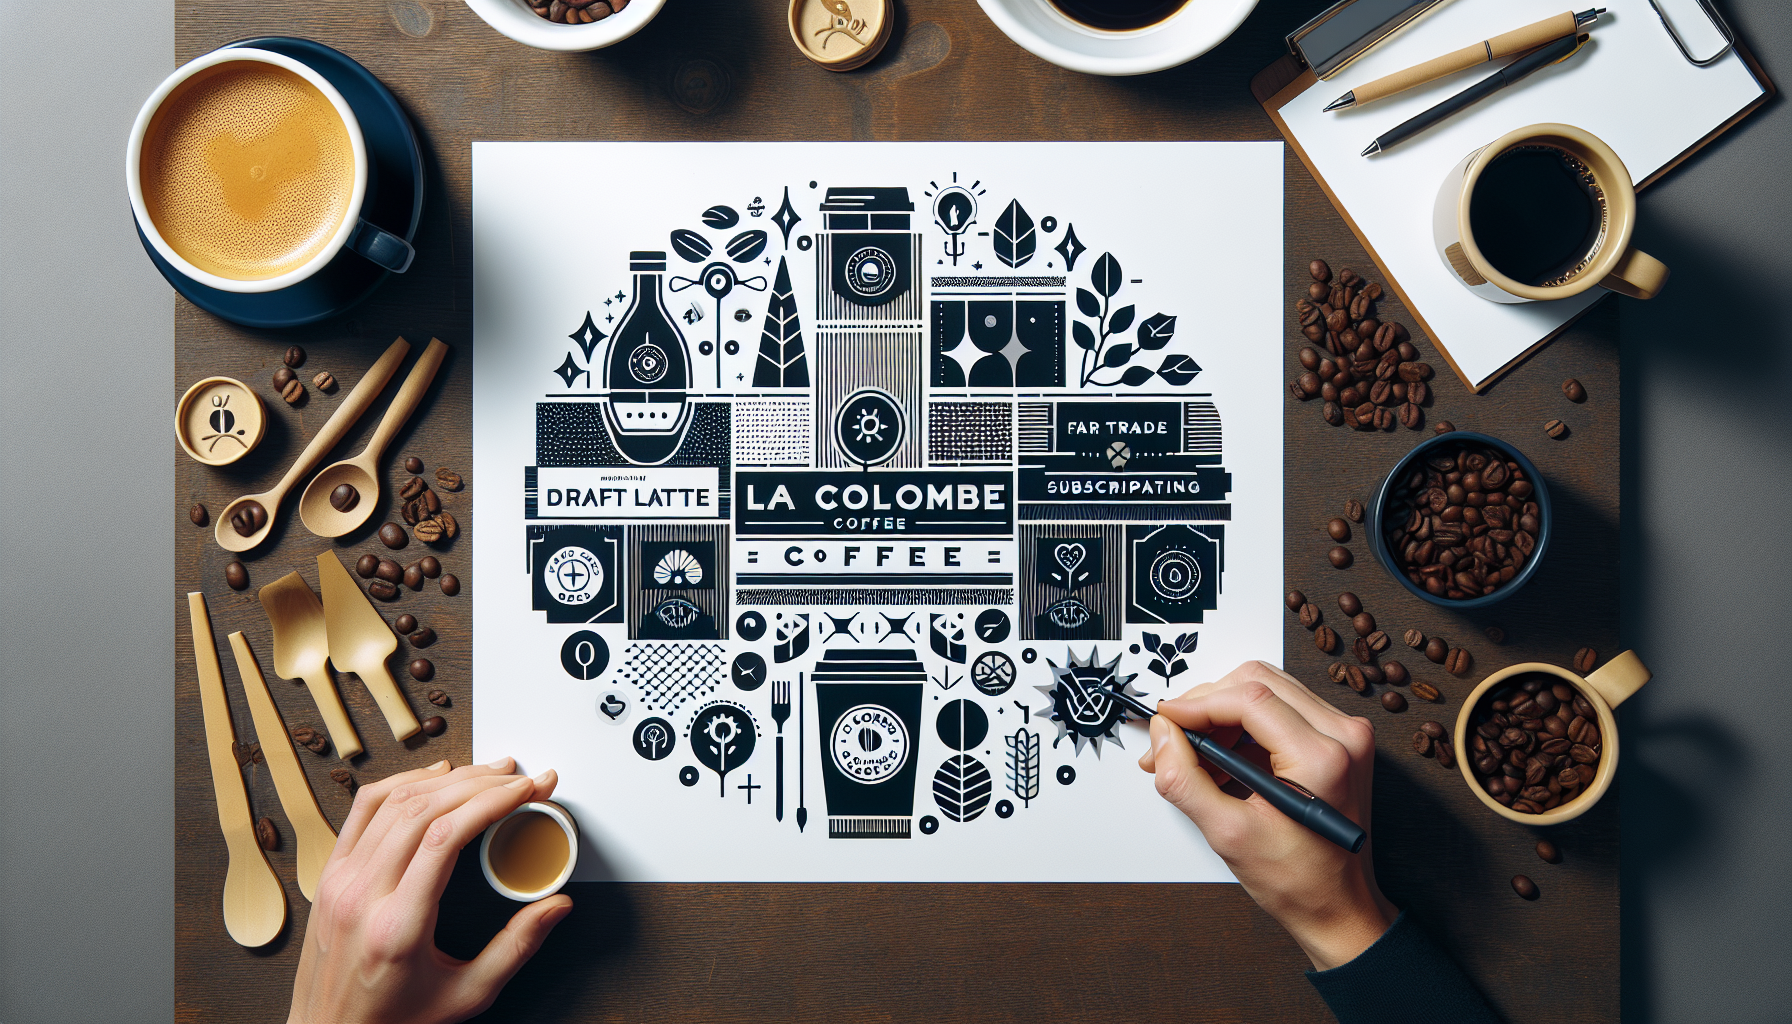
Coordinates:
714	69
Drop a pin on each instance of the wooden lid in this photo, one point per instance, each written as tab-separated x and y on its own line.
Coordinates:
841	35
219	420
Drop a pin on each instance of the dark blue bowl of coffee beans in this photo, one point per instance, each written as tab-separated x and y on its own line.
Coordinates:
1462	521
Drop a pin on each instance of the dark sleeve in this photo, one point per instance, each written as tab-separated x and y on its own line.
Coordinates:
1405	977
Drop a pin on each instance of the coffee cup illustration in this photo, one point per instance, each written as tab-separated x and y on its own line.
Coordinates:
869	712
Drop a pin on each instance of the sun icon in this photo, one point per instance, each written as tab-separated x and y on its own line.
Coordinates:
1078	707
870	426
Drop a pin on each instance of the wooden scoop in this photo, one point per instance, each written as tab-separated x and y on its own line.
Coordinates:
362	471
302	651
311	830
254	903
334	430
360	642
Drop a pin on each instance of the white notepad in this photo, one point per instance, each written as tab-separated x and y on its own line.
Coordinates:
1630	86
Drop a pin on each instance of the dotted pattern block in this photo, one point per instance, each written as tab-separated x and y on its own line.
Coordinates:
669	676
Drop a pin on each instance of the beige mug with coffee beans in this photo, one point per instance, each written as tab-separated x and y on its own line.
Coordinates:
1602	258
1605	689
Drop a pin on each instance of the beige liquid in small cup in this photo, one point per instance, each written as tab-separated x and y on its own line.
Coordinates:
247	170
529	851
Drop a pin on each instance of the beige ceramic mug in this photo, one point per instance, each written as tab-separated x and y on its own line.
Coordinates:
1608	260
1605	689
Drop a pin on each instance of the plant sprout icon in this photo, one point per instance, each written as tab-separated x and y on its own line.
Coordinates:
223	423
720	739
955	210
655	738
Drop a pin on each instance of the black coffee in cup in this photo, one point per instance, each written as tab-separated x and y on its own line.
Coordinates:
1119	15
1536	214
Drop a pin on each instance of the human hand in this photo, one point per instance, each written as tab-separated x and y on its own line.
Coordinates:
1325	896
370	955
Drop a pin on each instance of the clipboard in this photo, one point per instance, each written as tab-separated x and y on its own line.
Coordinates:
1392	220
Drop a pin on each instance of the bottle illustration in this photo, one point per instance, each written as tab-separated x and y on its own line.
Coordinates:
648	371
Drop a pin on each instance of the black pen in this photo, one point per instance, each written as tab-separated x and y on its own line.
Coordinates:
1542	57
1288	797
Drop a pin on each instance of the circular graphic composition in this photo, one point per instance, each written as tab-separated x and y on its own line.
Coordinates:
869	743
573	575
584	655
992	673
992	626
688	775
870	427
1029	655
870	271
1066	774
962	724
929	824
751	626
613	707
655	739
1175	575
648	362
748	671
1004	808
731	347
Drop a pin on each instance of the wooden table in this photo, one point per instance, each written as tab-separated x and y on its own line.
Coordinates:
708	69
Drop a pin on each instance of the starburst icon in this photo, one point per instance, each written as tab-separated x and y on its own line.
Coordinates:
870	428
1075	701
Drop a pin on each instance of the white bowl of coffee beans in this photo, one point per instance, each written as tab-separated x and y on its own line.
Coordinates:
567	25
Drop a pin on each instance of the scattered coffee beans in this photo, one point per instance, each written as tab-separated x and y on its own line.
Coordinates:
1378	641
1414	639
1533	751
1524	887
236	576
430	565
1363	623
406	623
435	725
448	480
439	698
576	12
1495	634
1458	661
344	497
344	778
1548	852
423	637
413	465
1392	700
295	357
1361	649
437	528
1349	604
1338	529
1585	659
1357	374
393	536
450	585
1294	600
282	377
1556	429
367	565
249	518
198	514
389	571
1309	615
311	739
1323	637
1426	691
1573	391
1340	557
1462	524
324	381
266	834
1396	673
1435	730
421	670
1353	510
1437	650
293	392
413	577
382	590
412	488
1421	744
431	503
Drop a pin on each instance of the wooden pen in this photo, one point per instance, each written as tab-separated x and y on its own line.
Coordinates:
1506	44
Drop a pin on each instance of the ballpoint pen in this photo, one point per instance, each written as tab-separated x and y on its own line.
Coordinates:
1285	796
1536	60
1505	44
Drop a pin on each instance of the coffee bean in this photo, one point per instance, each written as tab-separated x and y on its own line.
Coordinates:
1319	270
295	357
1435	730
266	834
1338	529
393	536
1421	743
431	503
1294	600
450	585
1360	648
421	670
1524	887
293	392
1548	852
1568	778
1353	510
412	511
324	381
1309	359
1317	291
282	377
1556	429
1437	650
311	739
344	497
1583	754
236	576
1300	394
1414	639
248	519
448	479
344	778
1378	641
367	565
1495	634
1349	604
413	577
406	623
423	637
1323	637
382	589
1340	557
1446	755
1363	623
1411	416
198	514
435	725
429	530
1426	691
413	465
1457	662
389	571
1306	385
1355	678
1336	672
1393	701
1333	414
412	488
1443	426
1309	615
439	698
1585	659
1573	391
1396	673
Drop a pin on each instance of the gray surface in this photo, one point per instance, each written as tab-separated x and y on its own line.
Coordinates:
87	627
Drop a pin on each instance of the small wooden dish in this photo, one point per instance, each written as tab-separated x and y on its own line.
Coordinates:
841	35
219	420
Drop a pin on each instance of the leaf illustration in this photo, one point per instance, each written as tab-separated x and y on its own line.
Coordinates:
1106	275
720	217
1157	668
1013	238
1178	369
962	787
1178	667
1156	331
1088	303
1023	765
1166	651
1121	320
1117	355
1135	375
1084	336
1187	641
746	246
1151	641
782	362
690	246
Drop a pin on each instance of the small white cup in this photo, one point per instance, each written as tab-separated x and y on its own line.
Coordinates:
382	247
552	810
514	19
1049	34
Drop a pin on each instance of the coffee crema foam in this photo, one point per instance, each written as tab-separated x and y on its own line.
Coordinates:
247	170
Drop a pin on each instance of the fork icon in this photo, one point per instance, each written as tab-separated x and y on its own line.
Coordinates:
781	714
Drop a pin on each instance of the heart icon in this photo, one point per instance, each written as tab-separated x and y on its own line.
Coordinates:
613	707
1070	556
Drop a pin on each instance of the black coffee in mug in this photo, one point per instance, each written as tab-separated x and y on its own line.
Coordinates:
1536	214
1119	15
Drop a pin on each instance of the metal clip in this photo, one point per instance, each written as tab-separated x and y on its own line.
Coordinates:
1717	21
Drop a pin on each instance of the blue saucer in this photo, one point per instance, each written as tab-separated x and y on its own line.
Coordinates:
394	201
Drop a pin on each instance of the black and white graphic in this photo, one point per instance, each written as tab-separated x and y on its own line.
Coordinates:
992	626
748	671
962	787
993	673
945	634
574	573
647	371
962	724
868	259
613	708
997	343
722	736
870	427
791	638
970	433
1174	571
868	712
581	474
655	739
677	582
749	626
1079	708
1023	765
1014	240
1133	460
782	361
668	676
584	655
954	211
1070	582
1167	661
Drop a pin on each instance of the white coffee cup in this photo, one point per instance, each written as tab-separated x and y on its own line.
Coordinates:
374	243
559	815
1048	33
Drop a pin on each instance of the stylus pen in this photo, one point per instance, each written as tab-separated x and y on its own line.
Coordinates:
1505	44
1559	50
1285	796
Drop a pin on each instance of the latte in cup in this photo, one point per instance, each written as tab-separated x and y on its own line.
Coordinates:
247	170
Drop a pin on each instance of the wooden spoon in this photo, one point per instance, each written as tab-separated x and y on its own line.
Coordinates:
334	430
302	651
254	903
361	472
360	642
311	830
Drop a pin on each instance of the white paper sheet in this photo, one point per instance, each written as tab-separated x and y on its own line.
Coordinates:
934	529
1629	86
